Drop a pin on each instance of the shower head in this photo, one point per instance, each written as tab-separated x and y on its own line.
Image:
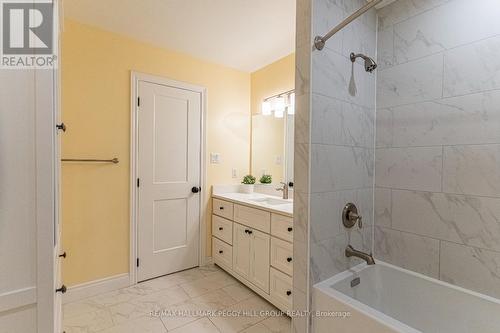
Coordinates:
370	64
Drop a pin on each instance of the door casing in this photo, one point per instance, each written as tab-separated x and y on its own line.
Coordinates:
136	77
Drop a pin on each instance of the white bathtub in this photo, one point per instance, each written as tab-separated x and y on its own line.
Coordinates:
392	299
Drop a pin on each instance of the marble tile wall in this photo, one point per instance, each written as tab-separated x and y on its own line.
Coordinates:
334	143
302	136
342	121
437	196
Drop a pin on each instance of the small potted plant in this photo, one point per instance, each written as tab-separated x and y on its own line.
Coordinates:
248	184
266	179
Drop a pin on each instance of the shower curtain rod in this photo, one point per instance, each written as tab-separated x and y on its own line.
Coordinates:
320	41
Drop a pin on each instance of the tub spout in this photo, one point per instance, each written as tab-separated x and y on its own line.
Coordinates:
351	252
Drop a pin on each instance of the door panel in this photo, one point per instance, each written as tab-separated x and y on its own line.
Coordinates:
241	250
166	234
259	260
170	126
168	166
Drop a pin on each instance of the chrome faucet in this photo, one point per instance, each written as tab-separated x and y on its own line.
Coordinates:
351	252
284	189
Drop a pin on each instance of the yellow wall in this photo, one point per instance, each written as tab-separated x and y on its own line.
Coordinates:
96	69
271	80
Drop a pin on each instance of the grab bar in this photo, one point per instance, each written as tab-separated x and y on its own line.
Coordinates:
89	160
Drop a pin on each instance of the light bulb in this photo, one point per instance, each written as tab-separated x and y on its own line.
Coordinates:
291	105
279	113
266	108
279	104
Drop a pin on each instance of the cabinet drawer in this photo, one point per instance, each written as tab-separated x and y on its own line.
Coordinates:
222	208
281	255
282	227
222	229
254	218
280	289
222	253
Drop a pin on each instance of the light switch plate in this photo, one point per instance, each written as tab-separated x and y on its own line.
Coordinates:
234	173
215	158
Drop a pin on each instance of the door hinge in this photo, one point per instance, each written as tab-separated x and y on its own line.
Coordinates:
138	101
137	262
138	182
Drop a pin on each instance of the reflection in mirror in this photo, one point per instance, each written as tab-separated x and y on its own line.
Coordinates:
272	139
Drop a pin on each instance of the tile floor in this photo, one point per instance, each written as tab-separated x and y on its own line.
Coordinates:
199	289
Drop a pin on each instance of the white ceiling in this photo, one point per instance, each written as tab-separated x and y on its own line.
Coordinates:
243	34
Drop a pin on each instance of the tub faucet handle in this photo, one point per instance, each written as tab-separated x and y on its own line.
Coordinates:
356	218
350	216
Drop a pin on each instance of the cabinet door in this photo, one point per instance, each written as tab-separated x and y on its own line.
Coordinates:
241	250
259	260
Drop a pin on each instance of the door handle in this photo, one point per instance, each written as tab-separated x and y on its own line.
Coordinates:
290	229
221	228
61	127
289	259
195	189
288	292
63	255
62	290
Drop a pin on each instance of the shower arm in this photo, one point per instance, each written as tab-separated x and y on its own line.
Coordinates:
320	41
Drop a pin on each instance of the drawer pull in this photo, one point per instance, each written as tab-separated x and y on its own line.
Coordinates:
248	231
289	259
63	255
221	252
290	229
288	292
221	228
221	208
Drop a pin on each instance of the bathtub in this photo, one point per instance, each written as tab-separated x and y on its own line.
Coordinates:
392	299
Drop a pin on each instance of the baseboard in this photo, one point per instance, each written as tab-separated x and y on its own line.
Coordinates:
96	287
207	261
17	298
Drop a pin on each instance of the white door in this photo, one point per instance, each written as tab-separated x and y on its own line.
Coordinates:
259	260
168	168
241	250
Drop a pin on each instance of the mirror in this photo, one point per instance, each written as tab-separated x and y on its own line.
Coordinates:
272	147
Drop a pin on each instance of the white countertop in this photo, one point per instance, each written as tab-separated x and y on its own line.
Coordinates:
253	201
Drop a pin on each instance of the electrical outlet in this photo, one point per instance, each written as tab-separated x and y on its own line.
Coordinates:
234	173
215	158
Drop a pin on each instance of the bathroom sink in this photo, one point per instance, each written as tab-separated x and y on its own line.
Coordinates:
272	201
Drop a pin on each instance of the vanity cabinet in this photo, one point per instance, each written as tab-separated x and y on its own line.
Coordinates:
251	255
255	246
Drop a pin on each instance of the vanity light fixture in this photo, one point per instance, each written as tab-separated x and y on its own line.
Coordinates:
278	104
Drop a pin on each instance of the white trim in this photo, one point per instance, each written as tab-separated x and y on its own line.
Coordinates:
135	77
96	287
17	298
46	202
